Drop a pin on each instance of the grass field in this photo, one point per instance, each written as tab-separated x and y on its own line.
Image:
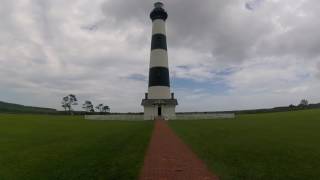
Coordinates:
65	147
261	146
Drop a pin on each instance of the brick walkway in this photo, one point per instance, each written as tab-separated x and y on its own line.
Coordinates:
169	158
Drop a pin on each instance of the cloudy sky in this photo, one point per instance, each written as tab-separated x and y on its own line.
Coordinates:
223	54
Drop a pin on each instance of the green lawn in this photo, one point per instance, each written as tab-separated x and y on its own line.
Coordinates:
261	146
65	147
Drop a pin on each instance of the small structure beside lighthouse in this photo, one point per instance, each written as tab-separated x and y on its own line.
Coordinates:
159	101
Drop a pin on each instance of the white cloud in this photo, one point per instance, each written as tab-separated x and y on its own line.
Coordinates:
99	50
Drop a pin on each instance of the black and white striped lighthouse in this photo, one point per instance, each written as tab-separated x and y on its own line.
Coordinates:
159	102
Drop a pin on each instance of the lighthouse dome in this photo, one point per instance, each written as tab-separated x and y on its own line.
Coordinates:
158	12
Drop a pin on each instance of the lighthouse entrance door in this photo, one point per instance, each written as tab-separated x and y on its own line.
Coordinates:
159	111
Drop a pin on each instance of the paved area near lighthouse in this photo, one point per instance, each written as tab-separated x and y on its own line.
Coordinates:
168	158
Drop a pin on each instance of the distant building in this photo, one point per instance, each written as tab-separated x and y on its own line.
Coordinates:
159	102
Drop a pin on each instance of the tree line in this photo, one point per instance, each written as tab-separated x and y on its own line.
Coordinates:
69	101
302	105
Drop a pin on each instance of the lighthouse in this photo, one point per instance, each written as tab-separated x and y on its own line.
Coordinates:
159	101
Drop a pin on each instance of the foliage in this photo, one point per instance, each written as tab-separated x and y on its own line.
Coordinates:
103	108
106	109
304	103
88	106
99	107
270	110
16	108
69	101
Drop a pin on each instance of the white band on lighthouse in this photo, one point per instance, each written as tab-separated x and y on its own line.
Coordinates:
158	58
158	27
159	92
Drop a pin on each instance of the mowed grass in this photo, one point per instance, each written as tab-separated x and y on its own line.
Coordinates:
69	147
261	146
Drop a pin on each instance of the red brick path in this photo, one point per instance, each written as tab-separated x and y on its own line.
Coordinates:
169	158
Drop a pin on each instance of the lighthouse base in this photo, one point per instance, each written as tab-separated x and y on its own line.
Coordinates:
162	108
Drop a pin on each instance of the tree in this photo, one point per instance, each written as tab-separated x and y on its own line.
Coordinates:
106	109
102	108
88	106
99	107
69	101
64	103
304	103
291	106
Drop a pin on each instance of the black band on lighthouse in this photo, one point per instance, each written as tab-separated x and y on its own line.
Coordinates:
159	76
158	13
159	41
